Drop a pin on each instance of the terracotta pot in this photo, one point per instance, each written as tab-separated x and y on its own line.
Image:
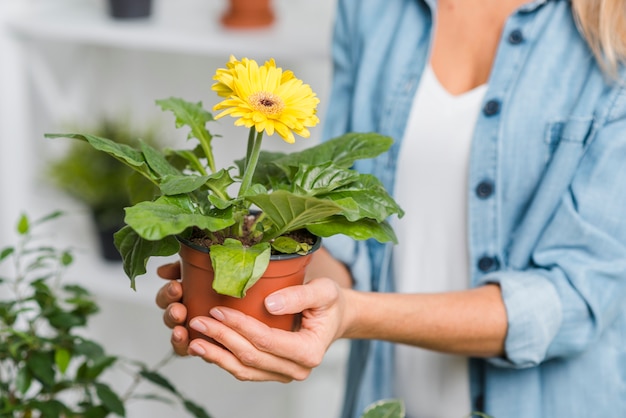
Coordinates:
199	297
248	14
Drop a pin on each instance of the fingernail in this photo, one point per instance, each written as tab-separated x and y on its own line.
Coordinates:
171	291
275	303
217	314
196	350
197	325
176	336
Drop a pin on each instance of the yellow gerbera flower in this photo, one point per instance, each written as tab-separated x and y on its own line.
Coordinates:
266	98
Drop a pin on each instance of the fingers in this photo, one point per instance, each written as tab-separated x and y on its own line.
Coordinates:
169	271
241	357
180	340
175	314
170	293
317	294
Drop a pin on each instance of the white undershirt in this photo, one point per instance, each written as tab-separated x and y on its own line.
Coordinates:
432	254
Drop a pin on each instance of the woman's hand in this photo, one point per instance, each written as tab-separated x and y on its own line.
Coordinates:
255	352
168	298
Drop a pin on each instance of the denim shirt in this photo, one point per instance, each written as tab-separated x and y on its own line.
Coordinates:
546	203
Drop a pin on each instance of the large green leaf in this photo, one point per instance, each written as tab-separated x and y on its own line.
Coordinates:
122	152
360	230
157	162
136	251
179	184
343	151
237	267
190	114
290	212
159	219
315	180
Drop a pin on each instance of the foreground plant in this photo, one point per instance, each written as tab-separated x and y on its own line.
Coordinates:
299	196
47	369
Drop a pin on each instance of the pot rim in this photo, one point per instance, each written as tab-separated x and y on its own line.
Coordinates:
275	257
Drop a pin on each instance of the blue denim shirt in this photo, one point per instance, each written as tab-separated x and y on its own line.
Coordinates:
547	203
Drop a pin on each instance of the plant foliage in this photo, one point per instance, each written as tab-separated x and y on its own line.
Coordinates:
47	369
314	190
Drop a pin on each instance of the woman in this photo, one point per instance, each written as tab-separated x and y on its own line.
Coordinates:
510	162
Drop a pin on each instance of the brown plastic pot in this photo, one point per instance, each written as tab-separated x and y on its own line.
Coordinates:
199	297
243	14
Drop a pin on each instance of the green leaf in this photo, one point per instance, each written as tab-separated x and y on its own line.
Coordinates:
158	379
48	217
89	349
110	399
159	219
136	251
23	225
62	359
98	366
51	408
360	230
368	196
157	162
191	114
236	267
314	180
23	380
195	409
389	408
288	245
66	258
179	184
6	252
122	152
343	151
290	212
41	365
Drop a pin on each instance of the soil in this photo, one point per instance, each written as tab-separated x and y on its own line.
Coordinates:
200	238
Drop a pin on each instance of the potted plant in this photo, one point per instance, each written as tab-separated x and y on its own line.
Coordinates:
248	14
129	9
298	197
102	183
47	368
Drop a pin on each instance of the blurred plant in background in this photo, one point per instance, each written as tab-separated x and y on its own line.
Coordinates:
102	183
47	369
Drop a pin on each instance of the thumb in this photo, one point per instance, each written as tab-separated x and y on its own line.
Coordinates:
316	294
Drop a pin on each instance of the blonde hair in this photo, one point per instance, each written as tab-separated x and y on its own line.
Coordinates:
603	24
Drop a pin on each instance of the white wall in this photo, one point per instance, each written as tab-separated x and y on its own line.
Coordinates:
47	82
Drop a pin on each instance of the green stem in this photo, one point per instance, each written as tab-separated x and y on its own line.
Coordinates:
208	152
251	164
251	136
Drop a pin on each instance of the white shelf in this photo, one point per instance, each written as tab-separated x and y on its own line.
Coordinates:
302	29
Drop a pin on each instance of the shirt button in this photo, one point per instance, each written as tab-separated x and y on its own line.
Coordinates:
484	189
487	263
491	108
516	37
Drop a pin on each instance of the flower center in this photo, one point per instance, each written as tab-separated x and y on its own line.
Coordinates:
267	103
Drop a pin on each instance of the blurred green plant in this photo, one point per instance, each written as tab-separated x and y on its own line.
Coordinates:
394	408
47	369
99	181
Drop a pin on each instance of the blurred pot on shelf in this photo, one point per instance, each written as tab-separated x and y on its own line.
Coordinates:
129	9
242	14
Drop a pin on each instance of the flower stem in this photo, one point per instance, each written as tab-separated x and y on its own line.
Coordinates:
251	136
251	163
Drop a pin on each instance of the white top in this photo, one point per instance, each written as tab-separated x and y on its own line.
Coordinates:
432	254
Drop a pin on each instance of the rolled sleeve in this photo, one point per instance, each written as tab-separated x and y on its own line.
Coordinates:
534	315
